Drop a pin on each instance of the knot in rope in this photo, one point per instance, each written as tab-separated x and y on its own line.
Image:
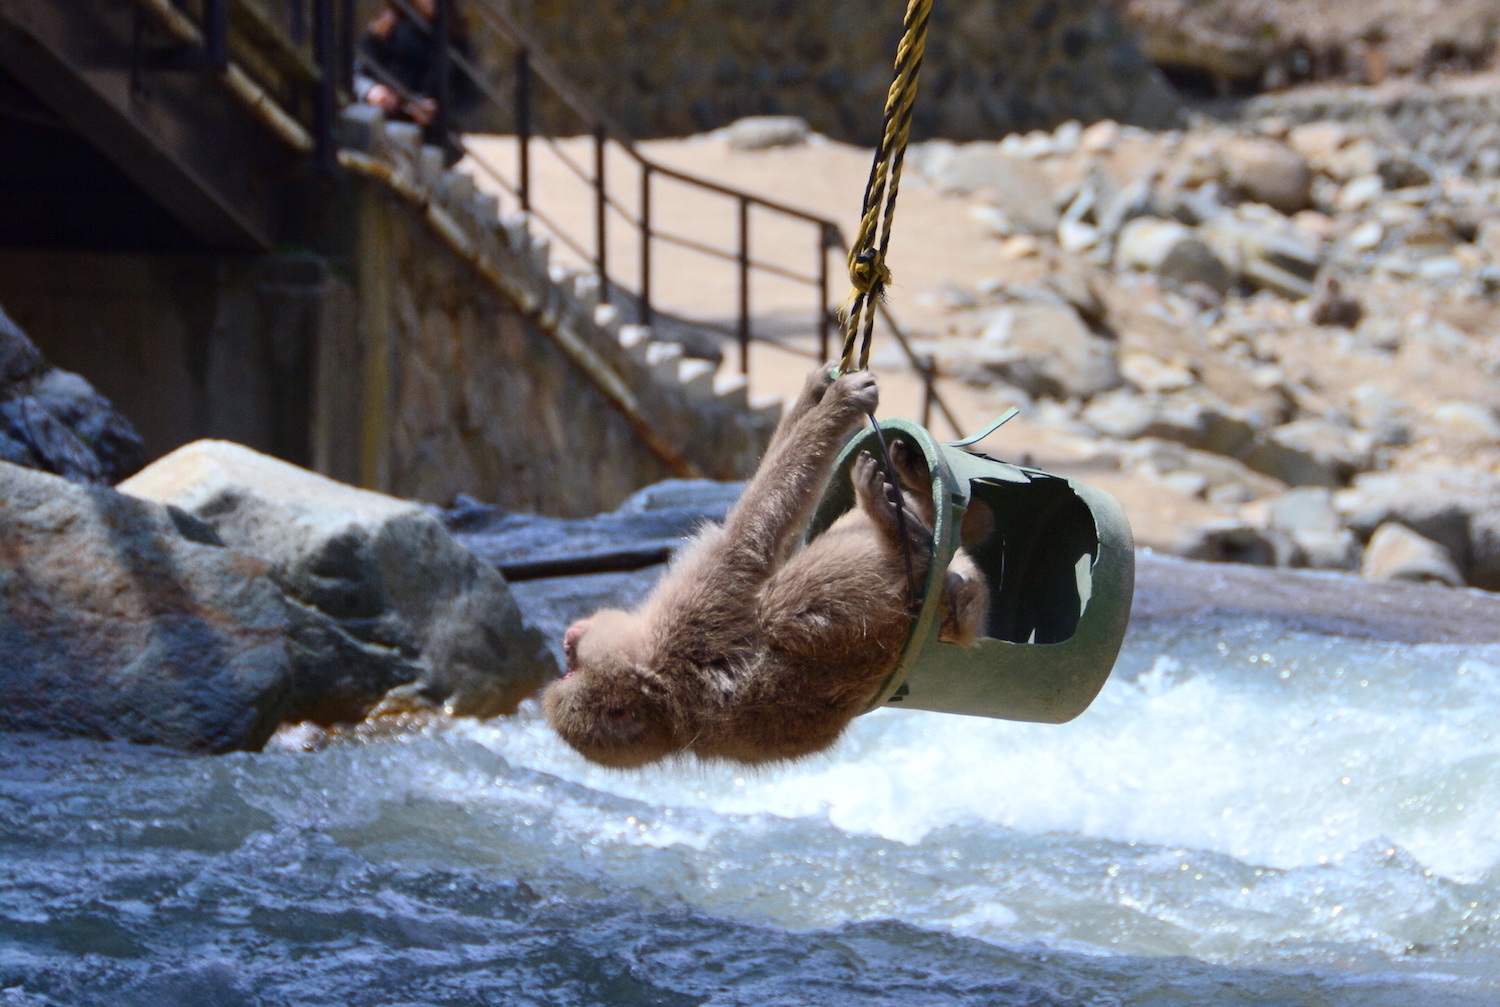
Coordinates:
868	273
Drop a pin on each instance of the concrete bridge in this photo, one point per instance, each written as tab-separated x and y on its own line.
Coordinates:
194	217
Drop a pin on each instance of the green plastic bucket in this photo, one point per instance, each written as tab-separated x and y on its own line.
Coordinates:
1061	569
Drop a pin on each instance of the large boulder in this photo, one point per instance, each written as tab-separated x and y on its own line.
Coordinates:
127	620
387	610
54	420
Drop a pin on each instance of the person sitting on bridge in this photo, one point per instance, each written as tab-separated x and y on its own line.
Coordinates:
398	71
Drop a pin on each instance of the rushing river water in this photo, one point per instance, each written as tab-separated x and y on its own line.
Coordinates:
1244	817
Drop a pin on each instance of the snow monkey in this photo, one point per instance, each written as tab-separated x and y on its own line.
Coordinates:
756	647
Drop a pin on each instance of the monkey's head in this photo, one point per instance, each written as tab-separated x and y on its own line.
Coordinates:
609	706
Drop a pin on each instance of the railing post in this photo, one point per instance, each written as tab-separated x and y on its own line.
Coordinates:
744	329
929	366
523	126
296	21
823	244
347	42
442	20
216	32
601	206
324	100
645	312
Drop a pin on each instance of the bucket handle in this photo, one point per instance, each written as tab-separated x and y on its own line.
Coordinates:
1005	418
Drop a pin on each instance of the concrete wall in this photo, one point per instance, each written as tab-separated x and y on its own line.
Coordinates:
185	346
673	67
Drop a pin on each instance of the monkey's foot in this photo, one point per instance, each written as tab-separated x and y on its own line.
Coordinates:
911	466
880	499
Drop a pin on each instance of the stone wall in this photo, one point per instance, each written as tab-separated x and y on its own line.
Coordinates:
478	400
674	67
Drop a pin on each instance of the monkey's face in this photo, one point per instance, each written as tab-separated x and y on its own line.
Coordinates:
609	706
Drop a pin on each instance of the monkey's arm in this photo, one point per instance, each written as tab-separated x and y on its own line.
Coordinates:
778	503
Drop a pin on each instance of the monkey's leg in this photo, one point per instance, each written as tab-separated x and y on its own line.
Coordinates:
916	479
966	602
777	505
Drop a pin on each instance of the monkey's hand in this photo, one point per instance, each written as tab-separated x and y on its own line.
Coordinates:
855	393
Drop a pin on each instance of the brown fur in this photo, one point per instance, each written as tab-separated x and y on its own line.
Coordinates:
755	647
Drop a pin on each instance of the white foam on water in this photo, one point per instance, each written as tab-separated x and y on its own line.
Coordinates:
1286	753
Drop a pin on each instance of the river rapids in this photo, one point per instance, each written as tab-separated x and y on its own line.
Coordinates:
1246	816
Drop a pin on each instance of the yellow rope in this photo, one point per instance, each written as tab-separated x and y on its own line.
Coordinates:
867	269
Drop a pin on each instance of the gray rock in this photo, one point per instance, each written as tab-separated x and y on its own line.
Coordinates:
1231	540
1264	256
1398	172
1387	418
1194	417
1268	172
1193	596
1305	509
763	132
1396	552
1311	453
119	620
1323	550
54	420
1044	349
1457	508
1170	249
389	612
1014	185
1307	515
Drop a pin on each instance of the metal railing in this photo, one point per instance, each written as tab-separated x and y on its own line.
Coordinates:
325	31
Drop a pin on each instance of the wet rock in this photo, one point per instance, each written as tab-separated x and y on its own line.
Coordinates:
1044	349
1170	249
54	420
1311	453
123	619
1396	552
1457	508
764	132
1268	172
388	611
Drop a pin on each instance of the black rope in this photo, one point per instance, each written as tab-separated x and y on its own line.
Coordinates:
911	579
